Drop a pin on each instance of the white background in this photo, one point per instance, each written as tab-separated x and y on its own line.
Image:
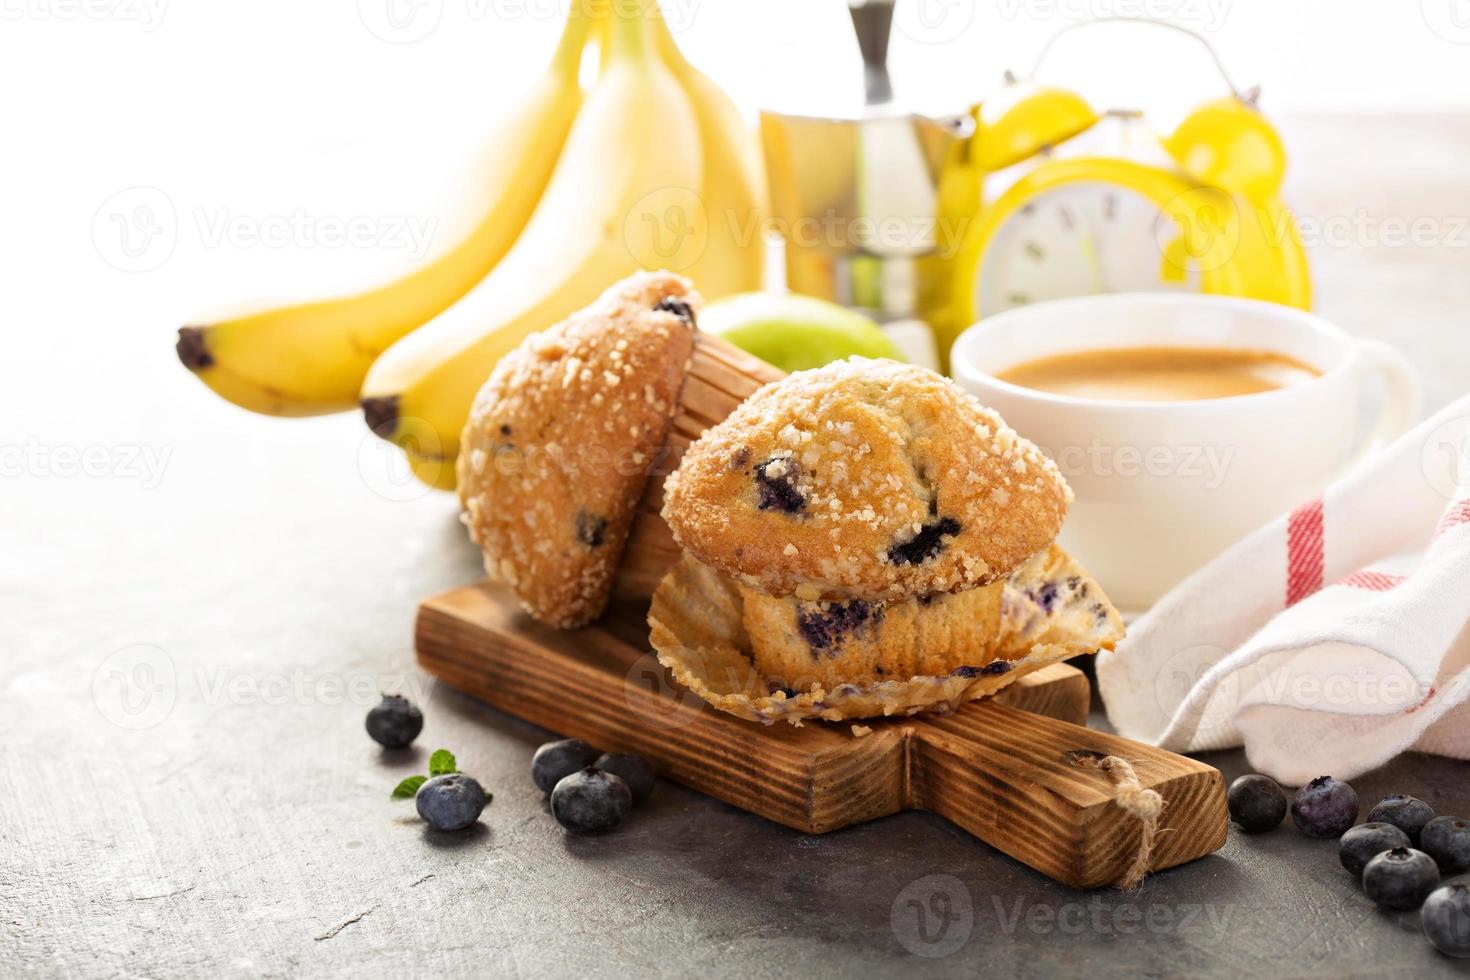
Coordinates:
232	121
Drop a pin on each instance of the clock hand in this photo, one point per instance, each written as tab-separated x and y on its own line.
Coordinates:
1094	263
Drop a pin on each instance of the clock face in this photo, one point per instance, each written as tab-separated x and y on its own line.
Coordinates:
1081	238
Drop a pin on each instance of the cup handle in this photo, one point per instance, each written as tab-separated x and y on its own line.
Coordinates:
1403	395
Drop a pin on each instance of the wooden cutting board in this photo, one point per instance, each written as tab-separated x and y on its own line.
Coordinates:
1003	769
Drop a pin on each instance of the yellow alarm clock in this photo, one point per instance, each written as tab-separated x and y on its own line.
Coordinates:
1073	202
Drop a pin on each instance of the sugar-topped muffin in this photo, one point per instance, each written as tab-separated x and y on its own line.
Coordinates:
561	440
865	479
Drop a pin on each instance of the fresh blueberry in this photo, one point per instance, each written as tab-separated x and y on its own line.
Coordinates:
1447	840
631	769
1446	919
554	761
394	721
1365	842
1400	879
1325	807
1256	803
590	801
1404	812
451	802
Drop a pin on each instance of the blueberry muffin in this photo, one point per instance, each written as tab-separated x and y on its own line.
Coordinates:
865	479
869	513
562	438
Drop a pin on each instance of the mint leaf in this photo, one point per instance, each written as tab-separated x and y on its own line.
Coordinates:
409	788
441	763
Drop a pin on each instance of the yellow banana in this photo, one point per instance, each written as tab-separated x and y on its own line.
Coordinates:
311	358
436	471
604	215
733	258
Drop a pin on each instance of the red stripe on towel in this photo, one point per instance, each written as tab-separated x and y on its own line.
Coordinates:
1458	514
1373	581
1421	704
1304	552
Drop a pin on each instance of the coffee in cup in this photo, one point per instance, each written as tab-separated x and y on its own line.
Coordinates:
1159	374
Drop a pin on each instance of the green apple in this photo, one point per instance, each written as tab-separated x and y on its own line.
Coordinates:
795	332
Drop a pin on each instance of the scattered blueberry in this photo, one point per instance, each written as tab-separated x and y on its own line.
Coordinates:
1256	803
1400	879
1404	812
631	769
1365	842
1325	807
394	722
1446	918
1447	840
451	802
555	761
590	801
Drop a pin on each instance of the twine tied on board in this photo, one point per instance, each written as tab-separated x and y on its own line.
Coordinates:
1132	798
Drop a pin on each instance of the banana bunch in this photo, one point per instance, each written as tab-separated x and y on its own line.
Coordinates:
651	167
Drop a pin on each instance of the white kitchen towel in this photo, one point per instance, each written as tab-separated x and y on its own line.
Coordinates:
1328	641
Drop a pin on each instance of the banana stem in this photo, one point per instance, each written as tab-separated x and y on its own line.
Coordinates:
567	61
627	31
663	38
601	44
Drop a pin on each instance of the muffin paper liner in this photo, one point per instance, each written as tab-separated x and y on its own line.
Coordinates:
1051	610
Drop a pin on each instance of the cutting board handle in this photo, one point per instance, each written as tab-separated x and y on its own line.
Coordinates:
1012	779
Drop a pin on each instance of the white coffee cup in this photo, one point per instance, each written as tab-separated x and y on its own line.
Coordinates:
1163	487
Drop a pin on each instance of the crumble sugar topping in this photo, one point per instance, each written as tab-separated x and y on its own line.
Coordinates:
868	479
560	441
